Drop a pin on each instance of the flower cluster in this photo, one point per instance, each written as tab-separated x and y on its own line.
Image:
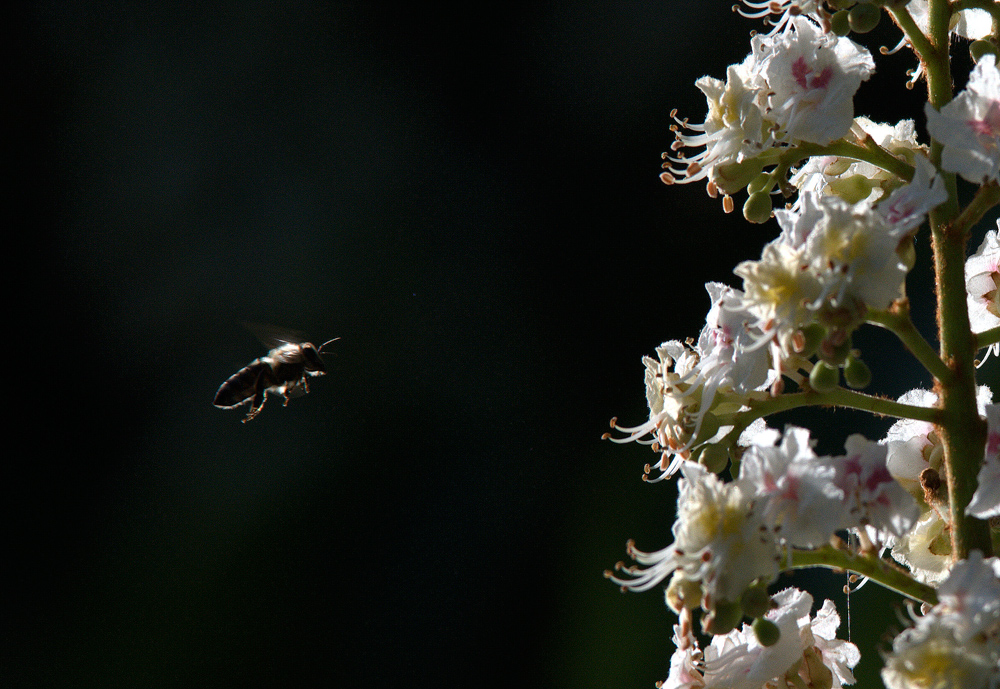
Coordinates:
957	643
915	511
796	85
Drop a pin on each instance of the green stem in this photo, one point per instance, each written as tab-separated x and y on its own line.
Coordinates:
904	20
870	152
838	397
986	198
871	566
962	431
897	319
988	5
987	337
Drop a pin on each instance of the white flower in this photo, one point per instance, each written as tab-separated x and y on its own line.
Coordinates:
831	257
969	126
906	207
926	549
802	503
956	644
874	498
982	286
732	132
985	501
681	387
806	646
811	78
719	541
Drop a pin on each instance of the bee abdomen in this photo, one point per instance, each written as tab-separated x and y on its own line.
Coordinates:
241	386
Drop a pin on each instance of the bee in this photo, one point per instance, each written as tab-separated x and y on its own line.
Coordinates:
284	371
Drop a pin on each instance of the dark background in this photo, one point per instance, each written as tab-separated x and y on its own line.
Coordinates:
468	196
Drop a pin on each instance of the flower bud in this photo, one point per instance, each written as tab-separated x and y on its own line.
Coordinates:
839	23
979	49
863	18
713	457
856	373
852	189
766	631
683	593
824	377
756	601
723	618
732	177
757	208
812	335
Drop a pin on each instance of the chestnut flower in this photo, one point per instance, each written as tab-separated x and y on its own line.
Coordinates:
982	285
969	126
807	652
956	644
810	78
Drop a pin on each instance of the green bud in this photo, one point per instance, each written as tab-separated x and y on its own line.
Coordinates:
732	177
757	208
756	601
714	457
766	631
841	4
979	49
824	377
863	18
812	335
839	24
723	618
834	354
683	593
856	373
852	189
709	426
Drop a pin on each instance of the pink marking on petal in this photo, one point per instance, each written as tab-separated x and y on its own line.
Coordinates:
800	70
823	79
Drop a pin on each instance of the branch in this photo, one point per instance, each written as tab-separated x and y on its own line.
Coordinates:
871	566
987	337
897	320
986	198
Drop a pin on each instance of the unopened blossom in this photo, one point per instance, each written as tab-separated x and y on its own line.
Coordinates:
957	643
982	286
719	541
969	126
802	502
807	647
811	78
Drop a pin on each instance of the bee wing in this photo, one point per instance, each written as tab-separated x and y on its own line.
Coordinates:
272	336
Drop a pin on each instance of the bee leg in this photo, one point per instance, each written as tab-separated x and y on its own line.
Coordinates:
260	396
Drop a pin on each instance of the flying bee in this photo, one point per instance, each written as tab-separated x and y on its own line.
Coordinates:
285	371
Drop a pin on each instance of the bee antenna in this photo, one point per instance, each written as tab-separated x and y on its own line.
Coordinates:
326	343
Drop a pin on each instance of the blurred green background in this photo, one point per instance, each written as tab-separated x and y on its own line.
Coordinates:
468	196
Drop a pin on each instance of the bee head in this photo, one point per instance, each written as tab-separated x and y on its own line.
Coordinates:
312	355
